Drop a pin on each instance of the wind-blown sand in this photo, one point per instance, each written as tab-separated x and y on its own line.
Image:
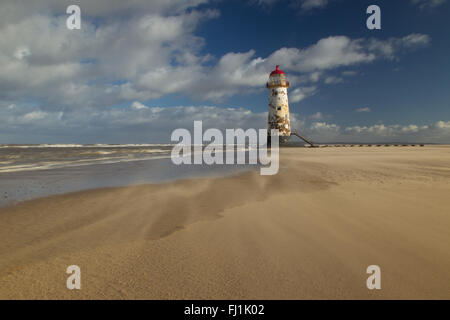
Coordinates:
309	232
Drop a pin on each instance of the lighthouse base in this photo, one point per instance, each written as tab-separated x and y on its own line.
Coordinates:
283	140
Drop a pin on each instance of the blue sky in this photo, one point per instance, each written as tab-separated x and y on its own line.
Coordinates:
136	71
414	87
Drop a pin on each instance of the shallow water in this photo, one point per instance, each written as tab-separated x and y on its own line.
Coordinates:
15	158
28	172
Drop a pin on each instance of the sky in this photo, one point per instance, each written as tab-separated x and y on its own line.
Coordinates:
138	69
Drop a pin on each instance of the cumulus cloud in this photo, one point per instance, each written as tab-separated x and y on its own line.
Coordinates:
317	116
129	52
348	73
443	125
151	52
130	124
41	59
139	123
333	80
391	47
137	105
365	109
301	93
13	10
438	132
312	4
323	132
238	72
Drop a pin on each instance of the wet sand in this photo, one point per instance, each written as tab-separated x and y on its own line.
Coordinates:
26	185
309	232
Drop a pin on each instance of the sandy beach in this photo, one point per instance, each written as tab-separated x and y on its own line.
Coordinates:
308	232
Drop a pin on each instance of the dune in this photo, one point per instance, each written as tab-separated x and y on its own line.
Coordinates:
309	232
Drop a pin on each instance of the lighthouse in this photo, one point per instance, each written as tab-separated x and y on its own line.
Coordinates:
279	104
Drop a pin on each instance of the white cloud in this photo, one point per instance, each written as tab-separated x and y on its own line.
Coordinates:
264	2
13	10
301	93
319	131
438	132
323	132
313	4
116	125
316	116
365	109
143	50
41	59
410	128
155	124
327	53
428	3
149	54
325	127
349	73
389	48
33	116
237	72
333	80
443	125
138	106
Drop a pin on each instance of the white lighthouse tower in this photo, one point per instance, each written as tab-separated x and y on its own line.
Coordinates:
279	104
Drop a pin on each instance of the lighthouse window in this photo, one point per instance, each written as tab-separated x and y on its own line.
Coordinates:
279	108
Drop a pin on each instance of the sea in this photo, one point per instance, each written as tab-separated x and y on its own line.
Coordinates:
33	171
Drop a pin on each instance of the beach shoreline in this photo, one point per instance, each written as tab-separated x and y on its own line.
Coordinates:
19	186
308	232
